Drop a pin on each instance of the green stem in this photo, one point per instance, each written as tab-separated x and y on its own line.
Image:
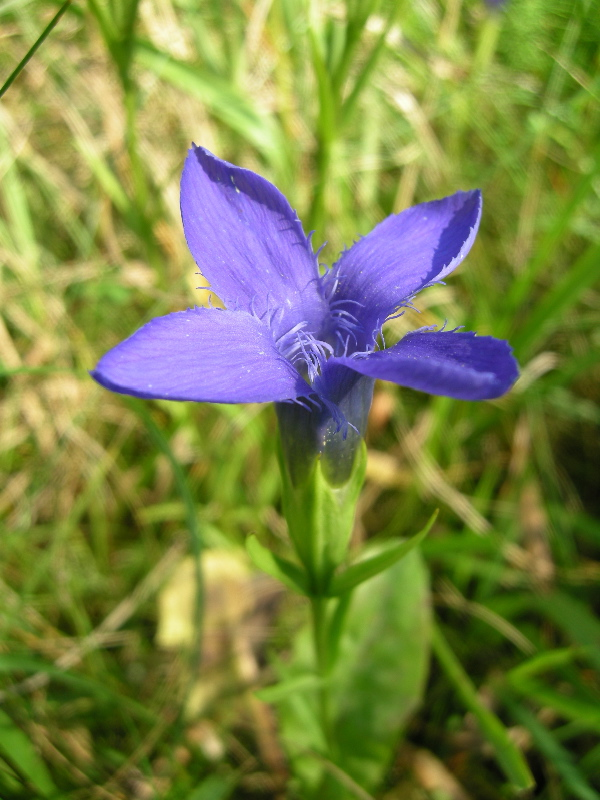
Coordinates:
144	201
320	516
486	44
326	124
140	186
321	644
322	162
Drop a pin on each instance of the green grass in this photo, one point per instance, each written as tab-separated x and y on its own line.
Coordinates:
355	110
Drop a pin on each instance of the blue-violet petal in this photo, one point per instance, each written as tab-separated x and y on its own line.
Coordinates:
460	365
205	355
403	254
249	243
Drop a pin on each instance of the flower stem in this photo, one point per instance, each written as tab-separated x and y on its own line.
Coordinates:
322	659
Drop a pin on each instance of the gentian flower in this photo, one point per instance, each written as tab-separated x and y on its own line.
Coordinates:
308	341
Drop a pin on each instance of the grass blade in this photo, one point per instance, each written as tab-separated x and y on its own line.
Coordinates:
299	683
215	787
18	750
547	247
221	97
557	301
34	47
508	755
579	709
575	619
556	754
160	440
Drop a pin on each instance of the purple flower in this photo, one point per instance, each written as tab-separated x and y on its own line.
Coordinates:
291	334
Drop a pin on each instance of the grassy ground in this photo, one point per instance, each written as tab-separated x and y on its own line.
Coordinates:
355	110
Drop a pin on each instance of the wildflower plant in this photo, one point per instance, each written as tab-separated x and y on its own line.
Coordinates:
310	340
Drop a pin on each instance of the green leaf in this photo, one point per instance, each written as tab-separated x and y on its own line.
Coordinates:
20	753
376	685
214	787
381	670
363	570
275	566
273	694
298	714
320	517
508	755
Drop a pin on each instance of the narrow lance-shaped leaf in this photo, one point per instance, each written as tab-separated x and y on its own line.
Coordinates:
299	683
363	570
381	670
275	566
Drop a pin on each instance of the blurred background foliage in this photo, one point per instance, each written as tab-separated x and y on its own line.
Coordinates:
355	110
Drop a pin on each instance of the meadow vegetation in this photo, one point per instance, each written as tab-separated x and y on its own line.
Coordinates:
120	675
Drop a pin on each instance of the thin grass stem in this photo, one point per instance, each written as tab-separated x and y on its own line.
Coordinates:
34	47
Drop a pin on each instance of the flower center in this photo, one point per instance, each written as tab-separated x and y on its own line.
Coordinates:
339	335
304	350
345	331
